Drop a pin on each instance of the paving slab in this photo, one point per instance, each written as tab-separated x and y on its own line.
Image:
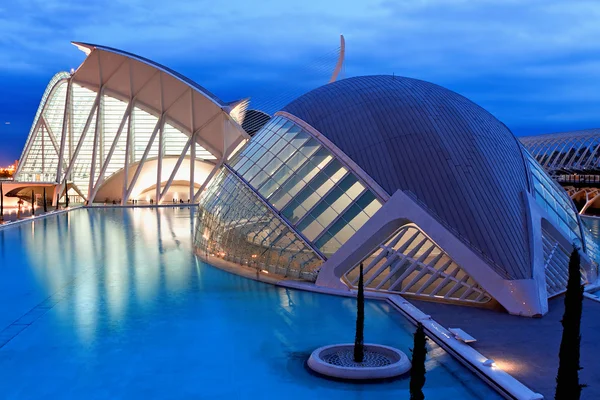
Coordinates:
527	348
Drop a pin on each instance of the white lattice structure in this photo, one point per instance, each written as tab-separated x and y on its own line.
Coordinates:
410	263
121	127
566	152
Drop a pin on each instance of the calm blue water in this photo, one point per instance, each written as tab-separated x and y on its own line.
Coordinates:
111	303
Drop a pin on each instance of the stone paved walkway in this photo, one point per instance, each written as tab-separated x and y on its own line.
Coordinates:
527	348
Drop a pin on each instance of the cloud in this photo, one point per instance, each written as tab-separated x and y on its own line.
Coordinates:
530	63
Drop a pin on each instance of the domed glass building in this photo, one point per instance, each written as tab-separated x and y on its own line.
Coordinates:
432	193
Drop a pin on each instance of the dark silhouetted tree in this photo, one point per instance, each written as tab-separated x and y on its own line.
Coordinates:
32	203
567	379
417	371
359	346
45	202
67	198
1	202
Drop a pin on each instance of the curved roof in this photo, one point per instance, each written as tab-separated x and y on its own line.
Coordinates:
566	152
455	158
254	120
160	90
89	47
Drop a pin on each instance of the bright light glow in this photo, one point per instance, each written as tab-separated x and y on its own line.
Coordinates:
44	167
264	271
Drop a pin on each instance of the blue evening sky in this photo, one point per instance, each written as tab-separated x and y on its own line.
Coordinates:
534	64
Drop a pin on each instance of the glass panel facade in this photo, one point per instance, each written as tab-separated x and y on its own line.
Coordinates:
591	244
555	201
301	179
233	223
40	163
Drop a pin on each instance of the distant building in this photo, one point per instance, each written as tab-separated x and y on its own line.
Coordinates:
254	120
8	172
573	160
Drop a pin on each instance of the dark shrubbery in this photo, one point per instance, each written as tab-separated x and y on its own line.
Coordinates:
567	379
417	372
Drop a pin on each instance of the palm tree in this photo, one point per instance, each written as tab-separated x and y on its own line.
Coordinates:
32	203
45	202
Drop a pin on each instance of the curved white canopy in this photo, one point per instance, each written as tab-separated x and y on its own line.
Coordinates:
162	91
118	110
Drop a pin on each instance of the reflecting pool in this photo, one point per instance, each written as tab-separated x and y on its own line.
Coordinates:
112	303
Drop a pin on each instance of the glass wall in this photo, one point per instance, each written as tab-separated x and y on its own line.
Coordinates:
40	163
233	223
555	201
302	180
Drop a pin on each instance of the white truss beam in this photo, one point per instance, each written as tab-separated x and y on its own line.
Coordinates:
177	165
140	165
100	179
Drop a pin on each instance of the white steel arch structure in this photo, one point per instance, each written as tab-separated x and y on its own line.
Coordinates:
125	120
566	152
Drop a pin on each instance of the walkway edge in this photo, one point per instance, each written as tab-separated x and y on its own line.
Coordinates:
37	217
504	383
591	296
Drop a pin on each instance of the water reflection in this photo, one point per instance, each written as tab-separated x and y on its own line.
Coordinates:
109	260
133	302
